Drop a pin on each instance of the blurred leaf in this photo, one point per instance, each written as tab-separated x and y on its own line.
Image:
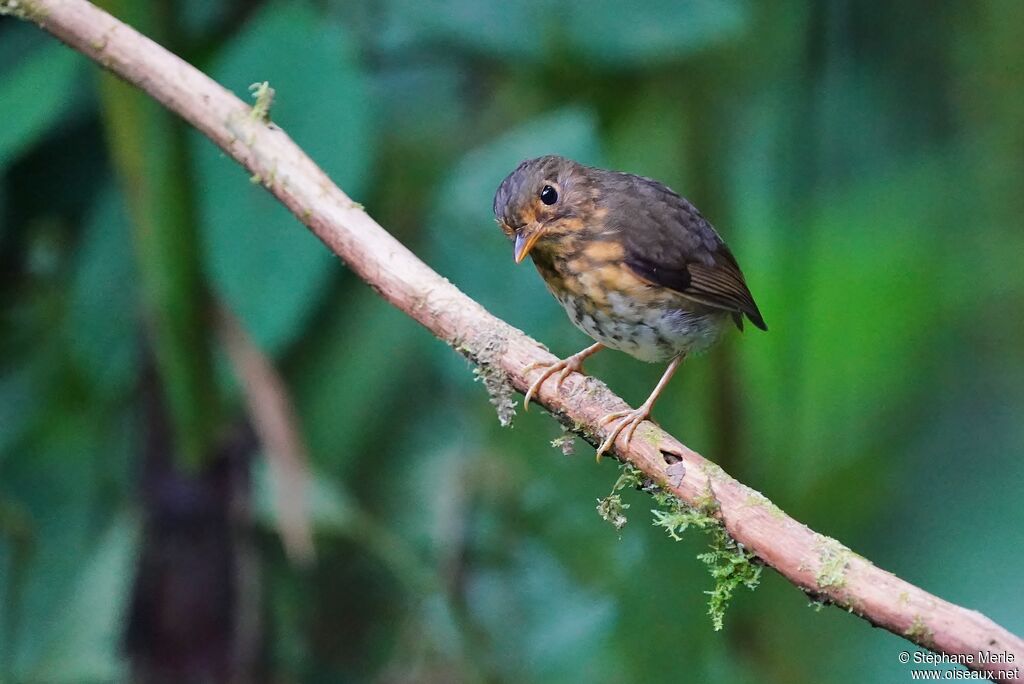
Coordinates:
347	354
979	507
855	325
625	33
20	400
435	88
650	139
270	270
614	33
54	481
551	628
512	30
85	637
199	17
33	95
20	38
102	308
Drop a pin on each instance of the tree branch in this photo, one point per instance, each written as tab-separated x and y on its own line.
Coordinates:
818	565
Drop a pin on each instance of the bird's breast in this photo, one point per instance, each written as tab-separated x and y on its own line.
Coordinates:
607	301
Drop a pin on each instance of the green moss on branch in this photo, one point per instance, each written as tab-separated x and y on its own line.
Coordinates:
728	562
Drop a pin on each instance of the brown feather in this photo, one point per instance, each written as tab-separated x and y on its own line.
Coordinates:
677	247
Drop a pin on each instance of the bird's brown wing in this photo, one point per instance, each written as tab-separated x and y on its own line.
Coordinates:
669	243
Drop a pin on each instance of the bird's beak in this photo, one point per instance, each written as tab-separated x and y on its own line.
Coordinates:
526	239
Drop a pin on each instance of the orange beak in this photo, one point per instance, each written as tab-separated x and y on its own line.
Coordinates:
525	240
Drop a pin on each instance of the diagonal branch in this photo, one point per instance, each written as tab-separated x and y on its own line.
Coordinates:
816	564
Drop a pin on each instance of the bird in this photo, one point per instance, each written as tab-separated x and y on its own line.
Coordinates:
635	266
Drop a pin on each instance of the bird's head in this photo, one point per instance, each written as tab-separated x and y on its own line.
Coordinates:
543	203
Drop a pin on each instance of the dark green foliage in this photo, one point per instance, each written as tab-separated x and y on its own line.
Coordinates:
863	160
272	275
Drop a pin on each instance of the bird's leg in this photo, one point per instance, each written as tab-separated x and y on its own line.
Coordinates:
566	366
631	418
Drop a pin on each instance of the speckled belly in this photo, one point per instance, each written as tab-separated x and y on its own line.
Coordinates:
652	331
609	302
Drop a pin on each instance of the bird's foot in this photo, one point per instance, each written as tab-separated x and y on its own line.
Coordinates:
629	421
564	367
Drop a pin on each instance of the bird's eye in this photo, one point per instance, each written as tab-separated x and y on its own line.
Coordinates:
548	195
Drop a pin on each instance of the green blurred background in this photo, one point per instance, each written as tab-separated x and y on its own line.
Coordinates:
865	160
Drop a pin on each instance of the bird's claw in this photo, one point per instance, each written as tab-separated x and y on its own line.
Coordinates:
563	368
629	420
